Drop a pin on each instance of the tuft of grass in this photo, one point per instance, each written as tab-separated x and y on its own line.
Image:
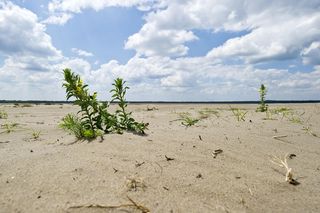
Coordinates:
207	112
73	124
187	120
3	114
35	134
9	127
239	114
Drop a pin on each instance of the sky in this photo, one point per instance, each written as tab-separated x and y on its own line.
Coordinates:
166	50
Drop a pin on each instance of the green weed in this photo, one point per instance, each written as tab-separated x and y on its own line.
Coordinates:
263	92
239	114
94	116
186	119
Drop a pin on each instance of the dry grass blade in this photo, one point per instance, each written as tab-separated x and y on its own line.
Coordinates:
283	163
134	204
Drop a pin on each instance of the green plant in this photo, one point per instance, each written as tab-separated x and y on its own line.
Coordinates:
187	120
73	124
91	110
239	114
125	121
9	127
35	134
3	114
94	117
263	106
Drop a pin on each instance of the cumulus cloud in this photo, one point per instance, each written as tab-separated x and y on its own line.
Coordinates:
22	34
78	6
80	52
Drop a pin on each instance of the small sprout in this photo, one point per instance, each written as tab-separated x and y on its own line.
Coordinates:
207	112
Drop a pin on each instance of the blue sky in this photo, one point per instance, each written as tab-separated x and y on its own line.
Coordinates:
193	50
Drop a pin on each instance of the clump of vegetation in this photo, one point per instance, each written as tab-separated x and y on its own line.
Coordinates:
207	112
9	127
95	119
187	120
239	114
263	107
3	114
35	134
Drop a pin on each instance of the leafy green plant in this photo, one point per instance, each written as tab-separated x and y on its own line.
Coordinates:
125	121
263	92
94	117
3	114
239	114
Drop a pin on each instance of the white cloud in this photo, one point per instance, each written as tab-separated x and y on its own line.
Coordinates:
311	54
59	19
22	34
81	52
79	5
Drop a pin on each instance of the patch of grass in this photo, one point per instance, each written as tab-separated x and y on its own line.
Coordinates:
3	114
72	124
9	127
207	112
35	135
187	120
239	114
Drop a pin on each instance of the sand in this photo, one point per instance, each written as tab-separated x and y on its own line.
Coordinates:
172	169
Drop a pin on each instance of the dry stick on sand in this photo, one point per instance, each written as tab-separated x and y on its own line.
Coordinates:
132	204
283	163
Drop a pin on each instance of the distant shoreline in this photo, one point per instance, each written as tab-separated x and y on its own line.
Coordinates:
166	102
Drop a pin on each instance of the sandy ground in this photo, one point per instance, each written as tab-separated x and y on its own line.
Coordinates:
172	169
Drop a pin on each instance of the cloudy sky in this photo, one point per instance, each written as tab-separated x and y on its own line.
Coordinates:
166	50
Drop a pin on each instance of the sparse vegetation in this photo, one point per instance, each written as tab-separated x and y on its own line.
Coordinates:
95	119
35	134
263	107
9	127
187	120
3	114
207	112
239	114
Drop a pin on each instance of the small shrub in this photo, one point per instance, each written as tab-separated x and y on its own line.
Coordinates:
263	92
